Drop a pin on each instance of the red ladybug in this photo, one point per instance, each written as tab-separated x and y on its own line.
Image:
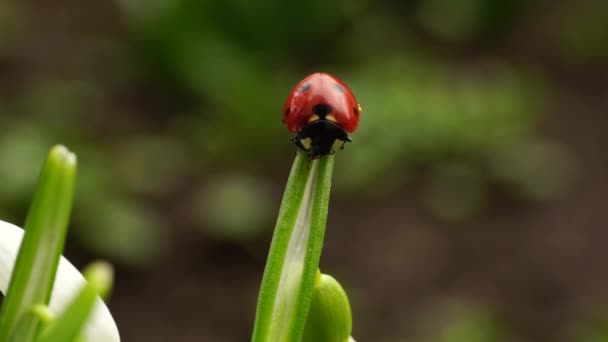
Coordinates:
321	110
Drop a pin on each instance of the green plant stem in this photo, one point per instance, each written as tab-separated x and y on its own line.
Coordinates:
288	281
45	231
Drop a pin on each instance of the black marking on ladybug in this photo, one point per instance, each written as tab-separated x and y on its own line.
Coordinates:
305	88
287	111
356	111
339	87
322	110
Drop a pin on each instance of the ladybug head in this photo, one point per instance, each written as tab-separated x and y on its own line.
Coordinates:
321	110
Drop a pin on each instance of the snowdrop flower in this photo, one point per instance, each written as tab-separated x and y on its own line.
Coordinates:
68	281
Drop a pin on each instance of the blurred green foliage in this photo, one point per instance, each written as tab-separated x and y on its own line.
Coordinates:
171	93
10	17
173	107
469	20
470	324
580	32
234	207
594	331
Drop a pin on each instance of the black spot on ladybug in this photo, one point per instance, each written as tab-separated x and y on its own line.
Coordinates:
305	88
356	111
339	87
321	110
287	111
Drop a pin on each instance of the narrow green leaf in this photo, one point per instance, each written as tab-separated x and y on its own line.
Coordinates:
45	231
318	221
290	206
294	255
69	325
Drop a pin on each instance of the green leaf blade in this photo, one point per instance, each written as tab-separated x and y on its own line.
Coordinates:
320	208
288	212
45	231
289	277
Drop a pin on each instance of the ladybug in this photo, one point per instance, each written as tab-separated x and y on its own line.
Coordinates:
321	110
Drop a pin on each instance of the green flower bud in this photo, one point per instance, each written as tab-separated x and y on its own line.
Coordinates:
329	318
100	275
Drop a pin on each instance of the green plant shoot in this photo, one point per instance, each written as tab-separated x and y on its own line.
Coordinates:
45	231
289	277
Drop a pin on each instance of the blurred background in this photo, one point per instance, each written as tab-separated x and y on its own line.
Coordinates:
470	207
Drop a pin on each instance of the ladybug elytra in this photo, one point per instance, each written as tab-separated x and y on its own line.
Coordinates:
321	110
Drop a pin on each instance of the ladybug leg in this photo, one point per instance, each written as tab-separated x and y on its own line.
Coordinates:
345	140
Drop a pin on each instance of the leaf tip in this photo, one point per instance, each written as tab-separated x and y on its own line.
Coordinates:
100	275
61	155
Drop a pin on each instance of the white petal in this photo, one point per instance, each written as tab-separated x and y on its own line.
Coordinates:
100	326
